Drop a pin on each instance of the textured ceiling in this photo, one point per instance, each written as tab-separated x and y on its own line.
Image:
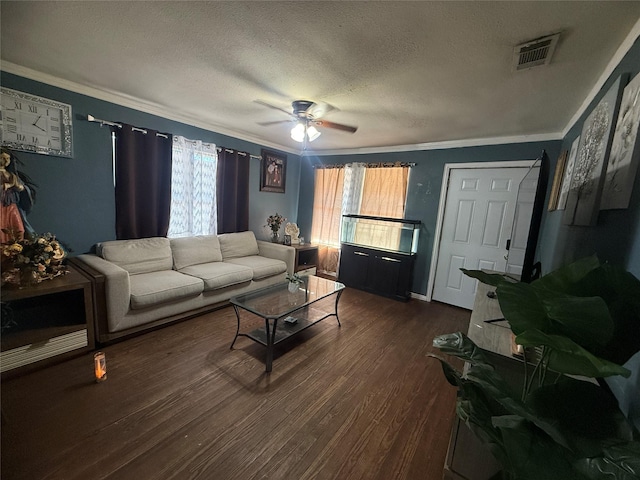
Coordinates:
405	73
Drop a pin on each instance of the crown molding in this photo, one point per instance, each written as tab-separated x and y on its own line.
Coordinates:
134	103
449	144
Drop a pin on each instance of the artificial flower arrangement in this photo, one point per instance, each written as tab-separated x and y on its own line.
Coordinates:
275	221
32	260
295	278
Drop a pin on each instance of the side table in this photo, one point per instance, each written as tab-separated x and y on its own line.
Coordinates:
46	322
306	259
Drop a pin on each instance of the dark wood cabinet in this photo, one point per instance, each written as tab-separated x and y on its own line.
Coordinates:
46	322
306	259
377	271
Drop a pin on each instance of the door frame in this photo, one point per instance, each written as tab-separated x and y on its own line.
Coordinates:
444	190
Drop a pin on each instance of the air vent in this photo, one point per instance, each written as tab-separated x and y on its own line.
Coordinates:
535	52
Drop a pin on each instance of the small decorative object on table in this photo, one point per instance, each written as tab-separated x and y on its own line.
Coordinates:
294	281
287	239
31	260
274	222
292	230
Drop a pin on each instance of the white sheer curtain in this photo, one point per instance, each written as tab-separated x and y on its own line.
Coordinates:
354	174
193	188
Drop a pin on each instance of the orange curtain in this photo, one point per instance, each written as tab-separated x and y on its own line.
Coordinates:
327	215
383	195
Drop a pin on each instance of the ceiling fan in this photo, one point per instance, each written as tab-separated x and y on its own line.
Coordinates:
307	116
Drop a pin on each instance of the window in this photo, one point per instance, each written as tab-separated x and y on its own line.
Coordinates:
193	188
355	189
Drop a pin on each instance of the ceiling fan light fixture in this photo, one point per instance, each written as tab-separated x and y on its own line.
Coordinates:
297	132
312	133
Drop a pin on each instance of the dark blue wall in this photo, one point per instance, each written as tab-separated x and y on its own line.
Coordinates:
425	182
75	195
616	237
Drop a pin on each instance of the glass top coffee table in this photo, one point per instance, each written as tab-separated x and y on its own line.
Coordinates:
286	313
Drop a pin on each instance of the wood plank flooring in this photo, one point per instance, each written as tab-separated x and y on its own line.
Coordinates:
358	402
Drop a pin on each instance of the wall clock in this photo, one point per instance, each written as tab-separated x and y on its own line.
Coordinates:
35	124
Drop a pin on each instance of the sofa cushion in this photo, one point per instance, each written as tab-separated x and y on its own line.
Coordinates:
189	251
148	289
262	267
141	255
234	245
219	274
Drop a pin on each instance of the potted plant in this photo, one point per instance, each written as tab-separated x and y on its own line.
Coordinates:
294	281
565	424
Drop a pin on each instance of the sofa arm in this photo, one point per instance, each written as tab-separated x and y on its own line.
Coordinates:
279	252
117	287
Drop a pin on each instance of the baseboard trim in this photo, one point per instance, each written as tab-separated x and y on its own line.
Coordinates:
419	296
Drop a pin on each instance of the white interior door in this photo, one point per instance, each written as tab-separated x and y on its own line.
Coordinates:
479	209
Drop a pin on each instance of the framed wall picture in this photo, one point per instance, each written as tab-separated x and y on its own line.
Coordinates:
35	124
568	174
557	181
287	239
583	203
625	151
273	170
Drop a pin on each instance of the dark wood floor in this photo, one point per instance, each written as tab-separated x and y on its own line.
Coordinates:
359	402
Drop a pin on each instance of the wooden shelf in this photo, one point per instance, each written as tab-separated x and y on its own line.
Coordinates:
51	320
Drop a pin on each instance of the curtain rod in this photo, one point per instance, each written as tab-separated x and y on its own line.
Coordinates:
91	118
369	165
244	154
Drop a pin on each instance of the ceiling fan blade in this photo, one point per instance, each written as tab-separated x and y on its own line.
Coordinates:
337	126
265	104
266	124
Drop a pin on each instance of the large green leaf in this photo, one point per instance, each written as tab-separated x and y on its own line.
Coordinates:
564	278
586	320
570	358
522	307
533	456
585	416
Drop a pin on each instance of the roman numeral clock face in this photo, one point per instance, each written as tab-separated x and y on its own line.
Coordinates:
35	124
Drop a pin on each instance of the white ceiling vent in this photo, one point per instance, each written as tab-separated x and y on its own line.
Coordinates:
535	52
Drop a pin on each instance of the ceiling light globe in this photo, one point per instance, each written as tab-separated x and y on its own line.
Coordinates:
297	132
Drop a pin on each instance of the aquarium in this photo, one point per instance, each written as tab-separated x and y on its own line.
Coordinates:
393	234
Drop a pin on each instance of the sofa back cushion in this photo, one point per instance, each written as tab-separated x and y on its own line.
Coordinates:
241	244
189	251
142	255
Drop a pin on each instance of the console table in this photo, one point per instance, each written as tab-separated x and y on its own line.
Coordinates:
50	320
468	458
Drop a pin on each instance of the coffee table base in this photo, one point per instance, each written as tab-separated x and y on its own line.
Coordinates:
271	336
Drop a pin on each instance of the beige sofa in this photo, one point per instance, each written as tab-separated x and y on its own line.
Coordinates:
148	282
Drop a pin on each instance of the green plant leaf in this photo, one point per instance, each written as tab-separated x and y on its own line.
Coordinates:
568	357
459	345
532	455
493	279
620	462
584	415
564	278
450	373
586	320
522	307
